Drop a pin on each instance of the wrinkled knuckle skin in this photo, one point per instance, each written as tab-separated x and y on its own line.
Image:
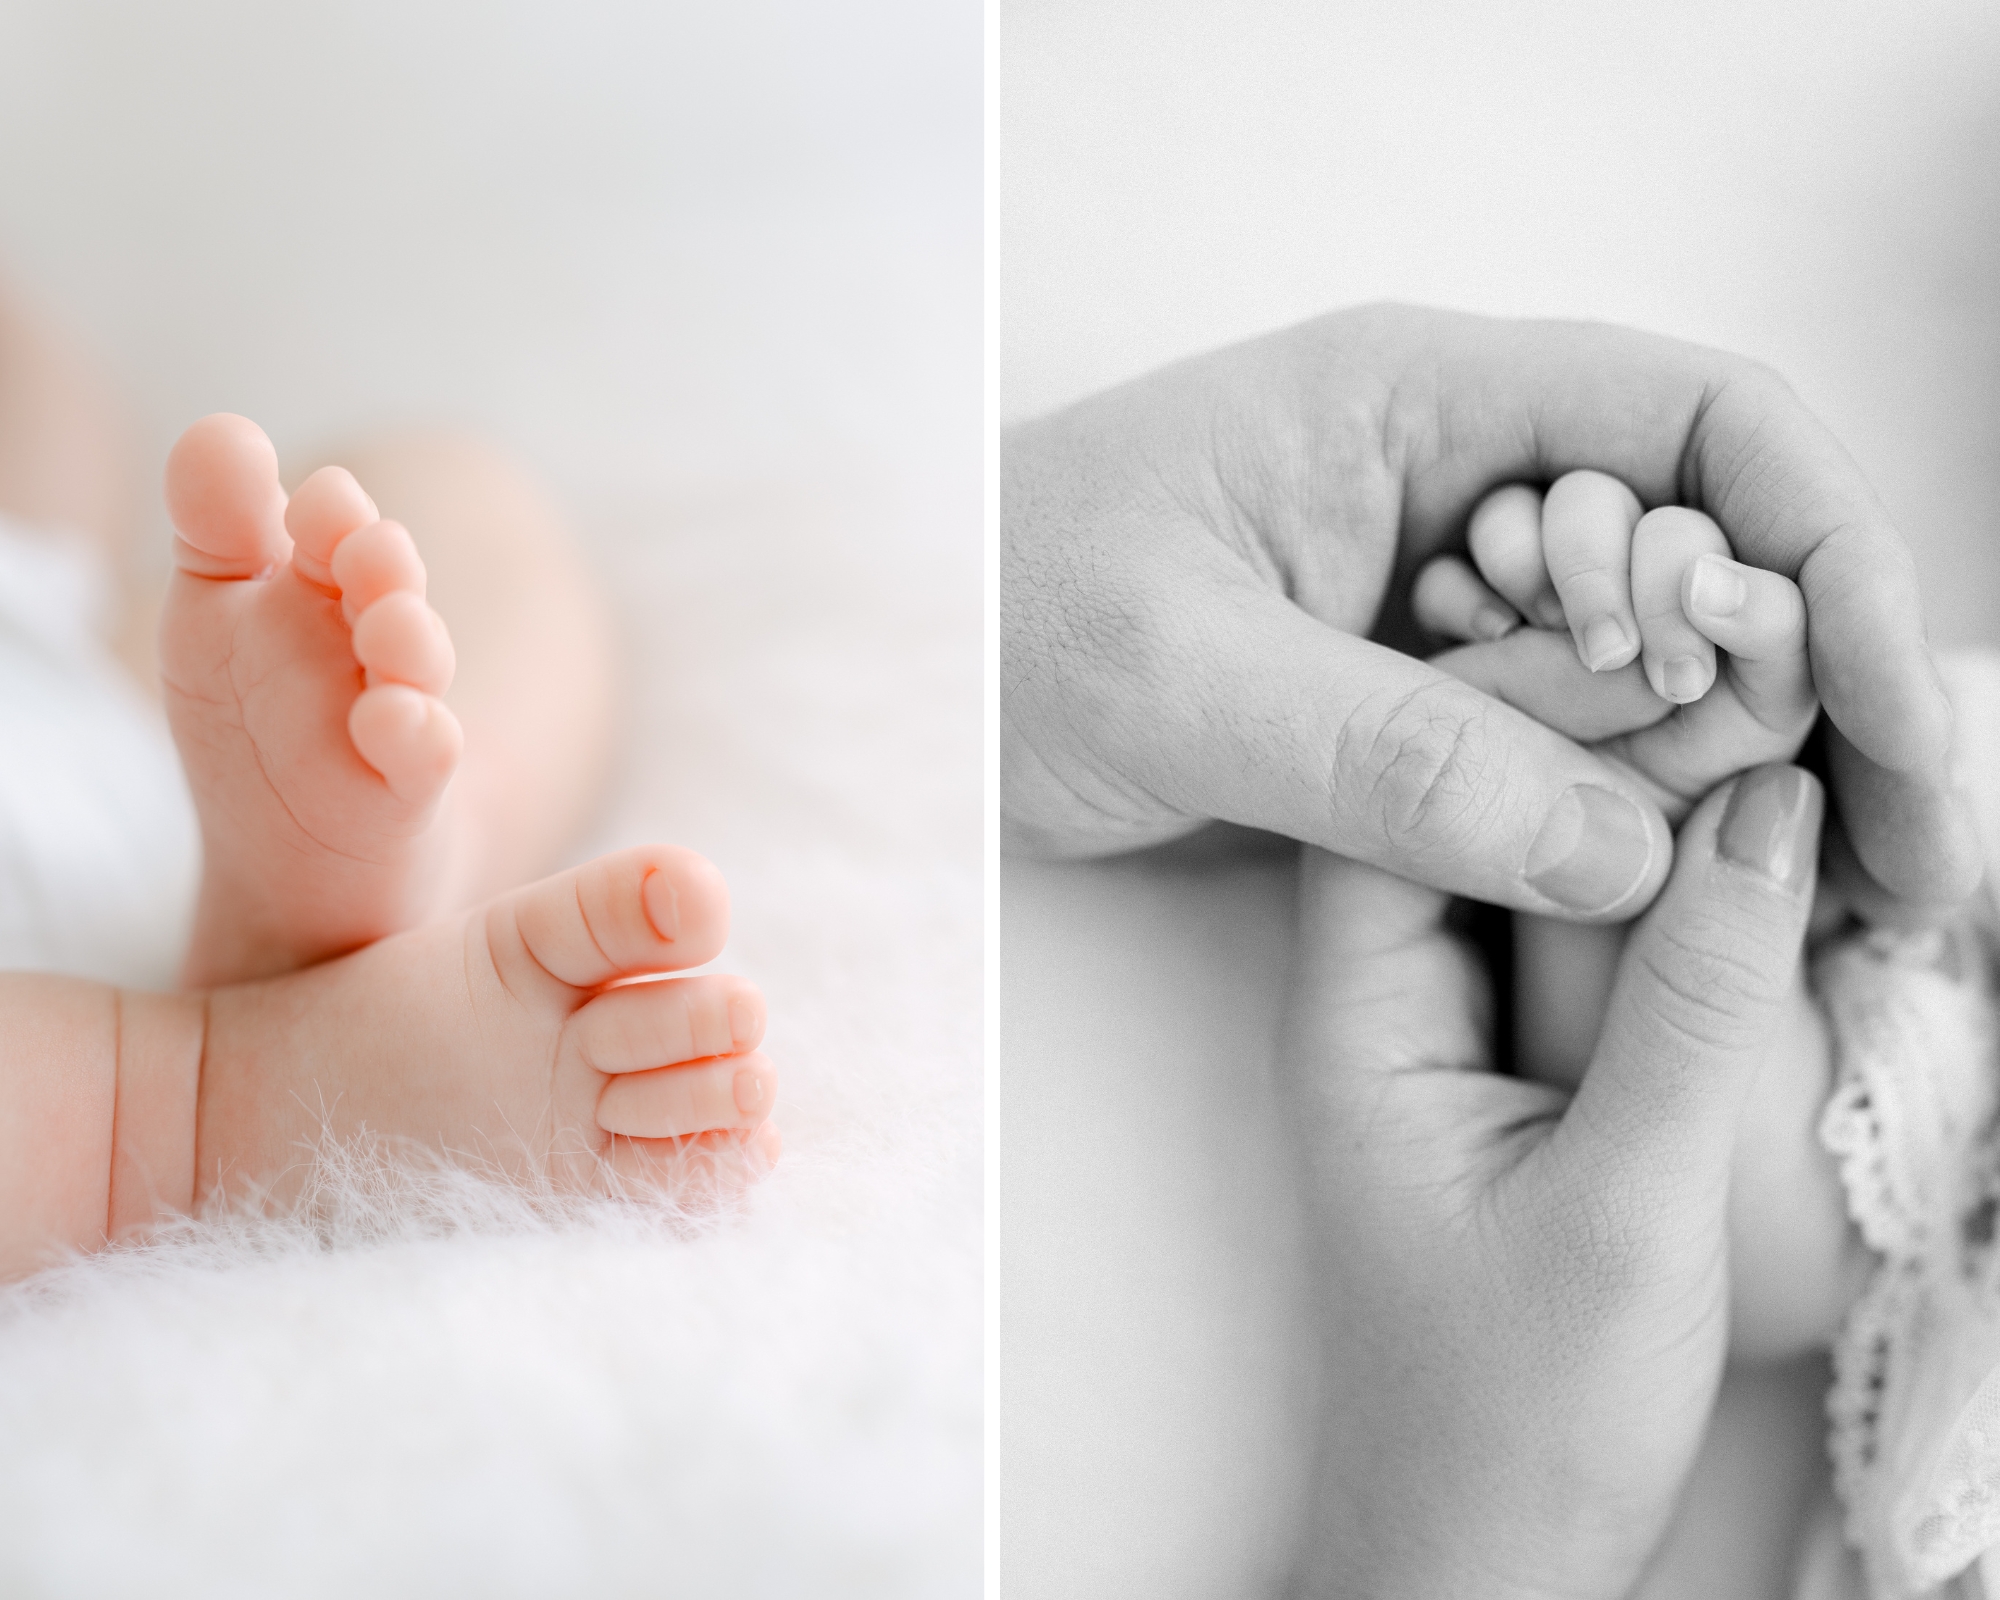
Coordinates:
1416	769
1704	998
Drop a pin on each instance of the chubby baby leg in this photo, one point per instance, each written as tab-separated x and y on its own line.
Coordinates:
97	1113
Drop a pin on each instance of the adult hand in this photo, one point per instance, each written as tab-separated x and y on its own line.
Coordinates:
1192	565
1526	1293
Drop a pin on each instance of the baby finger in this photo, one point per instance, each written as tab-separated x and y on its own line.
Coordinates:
1587	523
1759	617
1505	537
1449	600
1680	661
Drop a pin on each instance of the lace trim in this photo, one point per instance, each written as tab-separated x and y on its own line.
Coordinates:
1914	1420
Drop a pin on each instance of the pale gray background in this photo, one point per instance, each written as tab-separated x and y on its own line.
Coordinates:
1817	185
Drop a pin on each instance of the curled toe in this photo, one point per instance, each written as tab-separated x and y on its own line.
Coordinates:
328	507
399	639
409	737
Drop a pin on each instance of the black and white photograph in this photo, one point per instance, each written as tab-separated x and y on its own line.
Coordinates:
1498	749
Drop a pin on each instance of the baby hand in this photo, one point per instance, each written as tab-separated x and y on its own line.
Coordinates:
1646	600
1644	603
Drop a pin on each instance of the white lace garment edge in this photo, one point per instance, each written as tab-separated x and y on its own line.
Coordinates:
1914	1412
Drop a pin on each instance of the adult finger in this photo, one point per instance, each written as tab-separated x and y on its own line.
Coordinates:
1501	401
1274	720
1704	978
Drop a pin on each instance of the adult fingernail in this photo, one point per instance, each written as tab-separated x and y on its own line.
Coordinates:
1684	678
1717	589
1604	643
1593	850
1771	825
754	1088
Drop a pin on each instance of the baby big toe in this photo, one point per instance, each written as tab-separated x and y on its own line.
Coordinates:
656	908
225	500
409	737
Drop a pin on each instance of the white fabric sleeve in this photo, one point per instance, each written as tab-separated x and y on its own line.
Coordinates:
99	849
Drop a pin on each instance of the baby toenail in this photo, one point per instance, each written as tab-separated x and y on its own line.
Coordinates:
1685	678
662	906
1604	643
752	1088
746	1019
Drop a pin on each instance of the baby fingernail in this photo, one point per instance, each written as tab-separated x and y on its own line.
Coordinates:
1684	678
1604	642
1593	850
755	1088
663	907
1493	622
1717	589
746	1018
1771	825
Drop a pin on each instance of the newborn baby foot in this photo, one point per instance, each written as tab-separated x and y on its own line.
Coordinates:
512	1034
301	670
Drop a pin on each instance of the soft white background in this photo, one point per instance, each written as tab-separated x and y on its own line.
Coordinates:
1814	184
714	273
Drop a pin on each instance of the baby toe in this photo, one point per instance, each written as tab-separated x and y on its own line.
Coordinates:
656	908
328	507
399	639
225	501
703	1097
409	737
645	1025
706	1169
374	561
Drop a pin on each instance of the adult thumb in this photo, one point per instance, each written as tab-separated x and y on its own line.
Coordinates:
1271	718
1700	990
